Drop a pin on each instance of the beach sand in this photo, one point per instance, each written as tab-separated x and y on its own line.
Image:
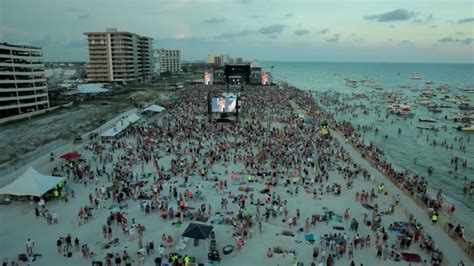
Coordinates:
19	222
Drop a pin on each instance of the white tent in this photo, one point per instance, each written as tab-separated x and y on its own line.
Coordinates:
119	127
31	183
154	108
132	118
91	88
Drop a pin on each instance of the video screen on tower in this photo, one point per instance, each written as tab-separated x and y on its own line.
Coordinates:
224	104
207	78
265	78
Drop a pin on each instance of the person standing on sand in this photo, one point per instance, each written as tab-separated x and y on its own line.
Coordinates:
29	246
329	261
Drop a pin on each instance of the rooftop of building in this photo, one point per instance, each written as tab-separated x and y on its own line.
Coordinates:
20	45
114	30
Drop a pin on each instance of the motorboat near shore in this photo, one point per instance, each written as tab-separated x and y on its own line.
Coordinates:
416	76
466	89
427	120
429	128
466	128
351	83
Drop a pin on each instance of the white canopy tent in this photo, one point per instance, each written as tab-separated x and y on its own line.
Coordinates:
132	118
31	183
119	127
154	108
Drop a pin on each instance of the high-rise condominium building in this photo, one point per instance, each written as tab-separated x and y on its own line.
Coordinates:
22	80
210	59
167	61
119	56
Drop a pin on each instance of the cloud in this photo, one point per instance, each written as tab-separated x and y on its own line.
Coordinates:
72	9
325	30
215	20
446	39
405	43
273	37
255	16
272	29
465	20
288	15
244	1
83	16
231	35
396	15
301	32
425	20
465	41
335	38
459	33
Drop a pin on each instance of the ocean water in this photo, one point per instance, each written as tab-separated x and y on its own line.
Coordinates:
402	149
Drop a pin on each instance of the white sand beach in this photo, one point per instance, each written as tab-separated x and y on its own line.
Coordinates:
288	161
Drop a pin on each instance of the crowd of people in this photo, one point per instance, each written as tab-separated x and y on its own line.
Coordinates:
254	167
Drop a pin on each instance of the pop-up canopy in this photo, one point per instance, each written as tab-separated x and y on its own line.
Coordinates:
154	109
31	183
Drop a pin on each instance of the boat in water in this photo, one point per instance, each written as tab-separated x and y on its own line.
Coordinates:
429	128
466	128
443	88
466	89
427	120
351	83
416	76
465	106
435	109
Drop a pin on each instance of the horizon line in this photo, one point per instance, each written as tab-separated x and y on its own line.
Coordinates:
304	61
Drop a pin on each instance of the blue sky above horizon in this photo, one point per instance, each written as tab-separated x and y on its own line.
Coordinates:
268	30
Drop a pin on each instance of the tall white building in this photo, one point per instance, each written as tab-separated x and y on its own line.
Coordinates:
119	56
167	61
22	80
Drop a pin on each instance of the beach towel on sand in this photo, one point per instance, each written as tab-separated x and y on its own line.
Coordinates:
411	257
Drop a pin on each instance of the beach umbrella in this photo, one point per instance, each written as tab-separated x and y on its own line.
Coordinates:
233	175
70	156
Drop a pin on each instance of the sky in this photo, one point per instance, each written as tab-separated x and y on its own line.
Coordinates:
267	30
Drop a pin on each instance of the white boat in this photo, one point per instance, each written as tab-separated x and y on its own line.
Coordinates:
465	106
451	99
351	83
424	101
466	128
466	89
376	86
427	120
435	109
443	88
416	76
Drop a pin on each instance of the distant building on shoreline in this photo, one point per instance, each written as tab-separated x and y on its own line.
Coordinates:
167	61
223	59
23	90
119	56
